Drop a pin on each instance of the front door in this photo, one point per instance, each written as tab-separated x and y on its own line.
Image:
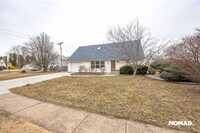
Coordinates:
112	65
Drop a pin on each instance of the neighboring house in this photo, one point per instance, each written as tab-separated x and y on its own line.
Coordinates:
2	63
99	58
57	64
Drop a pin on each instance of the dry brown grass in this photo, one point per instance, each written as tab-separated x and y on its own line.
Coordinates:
12	124
138	99
19	74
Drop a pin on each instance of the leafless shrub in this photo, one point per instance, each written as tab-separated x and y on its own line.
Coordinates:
186	54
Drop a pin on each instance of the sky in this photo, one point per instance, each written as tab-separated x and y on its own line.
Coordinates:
85	22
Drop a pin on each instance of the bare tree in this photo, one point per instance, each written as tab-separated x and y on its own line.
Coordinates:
42	51
135	31
19	51
186	54
154	49
16	49
125	40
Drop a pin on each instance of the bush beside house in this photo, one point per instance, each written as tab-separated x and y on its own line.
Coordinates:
128	70
142	70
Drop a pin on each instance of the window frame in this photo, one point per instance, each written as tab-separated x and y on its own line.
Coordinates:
92	64
97	64
102	64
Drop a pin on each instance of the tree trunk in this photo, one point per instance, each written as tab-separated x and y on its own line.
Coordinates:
135	72
45	69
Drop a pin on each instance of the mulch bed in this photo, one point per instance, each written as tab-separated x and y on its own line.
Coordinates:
88	73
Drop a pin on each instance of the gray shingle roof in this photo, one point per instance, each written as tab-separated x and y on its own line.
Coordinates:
102	52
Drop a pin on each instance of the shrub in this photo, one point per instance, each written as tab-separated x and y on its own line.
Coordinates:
23	71
11	67
171	76
2	67
82	68
161	64
142	70
126	70
151	70
172	73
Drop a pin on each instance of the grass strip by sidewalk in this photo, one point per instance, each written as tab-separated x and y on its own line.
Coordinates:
12	124
21	75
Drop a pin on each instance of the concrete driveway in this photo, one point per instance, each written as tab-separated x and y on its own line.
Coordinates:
8	84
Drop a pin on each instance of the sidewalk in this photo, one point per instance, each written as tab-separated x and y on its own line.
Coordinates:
66	120
8	84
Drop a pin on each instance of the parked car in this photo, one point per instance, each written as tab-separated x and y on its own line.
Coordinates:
30	67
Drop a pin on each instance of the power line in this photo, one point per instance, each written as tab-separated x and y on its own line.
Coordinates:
6	37
8	34
68	47
21	35
15	32
11	35
56	41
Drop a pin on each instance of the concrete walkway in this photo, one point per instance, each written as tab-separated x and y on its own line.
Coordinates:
65	120
8	84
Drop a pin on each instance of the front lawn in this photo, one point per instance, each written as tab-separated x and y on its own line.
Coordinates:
139	99
12	124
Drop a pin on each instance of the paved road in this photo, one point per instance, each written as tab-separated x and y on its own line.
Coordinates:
66	120
8	84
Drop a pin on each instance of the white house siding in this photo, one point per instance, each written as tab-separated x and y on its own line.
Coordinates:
74	66
107	66
2	63
87	65
119	64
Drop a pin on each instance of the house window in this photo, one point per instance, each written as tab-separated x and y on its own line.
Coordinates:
92	64
102	63
97	64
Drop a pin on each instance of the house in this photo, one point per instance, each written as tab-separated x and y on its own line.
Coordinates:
2	63
100	58
57	64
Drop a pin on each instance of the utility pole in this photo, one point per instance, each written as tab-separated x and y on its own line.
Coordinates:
60	55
